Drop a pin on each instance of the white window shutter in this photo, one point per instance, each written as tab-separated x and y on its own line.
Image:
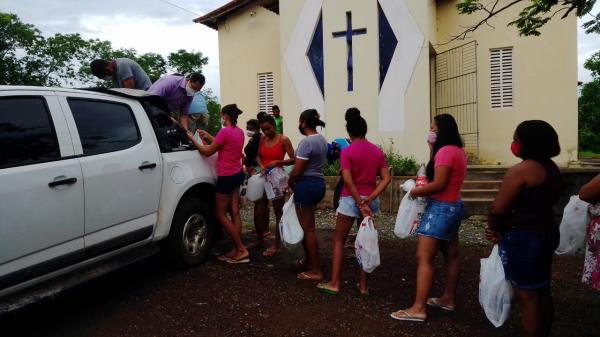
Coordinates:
501	78
265	92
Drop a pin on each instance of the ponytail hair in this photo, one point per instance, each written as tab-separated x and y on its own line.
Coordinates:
356	126
311	118
232	111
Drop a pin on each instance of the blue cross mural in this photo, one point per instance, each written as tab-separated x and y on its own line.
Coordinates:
348	34
387	46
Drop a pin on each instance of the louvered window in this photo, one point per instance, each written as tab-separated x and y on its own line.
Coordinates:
265	92
501	66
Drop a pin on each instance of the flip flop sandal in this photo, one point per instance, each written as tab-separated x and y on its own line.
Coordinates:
322	287
270	252
364	294
232	261
433	302
306	277
405	316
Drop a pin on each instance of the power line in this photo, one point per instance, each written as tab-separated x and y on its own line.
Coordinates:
177	6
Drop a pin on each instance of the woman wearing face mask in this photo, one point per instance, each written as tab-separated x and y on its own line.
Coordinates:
251	149
308	183
361	163
271	153
438	230
522	222
229	143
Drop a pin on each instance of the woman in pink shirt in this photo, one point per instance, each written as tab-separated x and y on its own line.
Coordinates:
229	143
361	163
438	230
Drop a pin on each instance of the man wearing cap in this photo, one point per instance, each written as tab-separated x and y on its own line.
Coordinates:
197	117
123	72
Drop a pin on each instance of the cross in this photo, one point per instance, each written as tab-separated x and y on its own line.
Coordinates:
348	33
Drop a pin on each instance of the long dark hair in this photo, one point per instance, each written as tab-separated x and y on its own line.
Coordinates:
447	135
356	126
233	112
539	140
311	118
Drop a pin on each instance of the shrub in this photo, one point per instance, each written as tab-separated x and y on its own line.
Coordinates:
332	169
401	166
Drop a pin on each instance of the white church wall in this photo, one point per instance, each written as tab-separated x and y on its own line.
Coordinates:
248	45
544	75
408	135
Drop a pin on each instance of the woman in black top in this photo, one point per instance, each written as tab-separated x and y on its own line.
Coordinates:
251	149
522	223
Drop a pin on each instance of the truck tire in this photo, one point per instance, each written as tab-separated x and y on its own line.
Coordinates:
191	234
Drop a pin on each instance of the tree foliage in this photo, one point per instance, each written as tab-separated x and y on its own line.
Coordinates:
532	17
589	108
29	58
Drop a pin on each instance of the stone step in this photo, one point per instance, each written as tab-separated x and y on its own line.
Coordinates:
481	184
477	206
485	174
479	193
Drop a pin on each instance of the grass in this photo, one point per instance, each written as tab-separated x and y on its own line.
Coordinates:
588	154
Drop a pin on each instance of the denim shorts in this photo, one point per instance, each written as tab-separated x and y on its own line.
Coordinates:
228	184
309	191
527	256
348	207
441	220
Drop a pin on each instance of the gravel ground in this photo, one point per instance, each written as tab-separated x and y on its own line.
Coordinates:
264	298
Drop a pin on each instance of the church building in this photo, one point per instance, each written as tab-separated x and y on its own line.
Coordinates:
399	62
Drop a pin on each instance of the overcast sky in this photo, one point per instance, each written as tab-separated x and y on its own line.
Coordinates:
160	26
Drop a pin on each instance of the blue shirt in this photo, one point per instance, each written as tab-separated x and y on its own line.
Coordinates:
198	105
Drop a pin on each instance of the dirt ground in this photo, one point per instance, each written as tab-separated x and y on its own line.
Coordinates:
264	298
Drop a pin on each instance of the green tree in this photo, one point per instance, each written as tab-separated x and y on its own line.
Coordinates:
589	108
154	65
15	37
185	62
532	17
214	111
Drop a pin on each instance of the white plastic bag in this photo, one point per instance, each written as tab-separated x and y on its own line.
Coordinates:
367	246
256	187
495	292
289	226
409	212
276	182
573	226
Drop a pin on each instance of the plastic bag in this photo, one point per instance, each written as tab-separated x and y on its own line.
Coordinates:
256	187
495	292
573	226
409	212
289	226
276	182
367	246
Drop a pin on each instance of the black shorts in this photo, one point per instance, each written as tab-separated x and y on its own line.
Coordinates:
228	184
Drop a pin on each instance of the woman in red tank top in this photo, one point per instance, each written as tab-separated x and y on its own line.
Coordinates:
271	153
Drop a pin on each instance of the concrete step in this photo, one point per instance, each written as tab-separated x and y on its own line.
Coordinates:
479	193
485	174
477	206
481	184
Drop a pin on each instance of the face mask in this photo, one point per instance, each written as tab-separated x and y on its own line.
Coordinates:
108	78
222	122
250	133
432	137
189	90
515	148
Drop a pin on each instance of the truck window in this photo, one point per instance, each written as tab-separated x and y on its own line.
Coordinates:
104	126
27	135
171	137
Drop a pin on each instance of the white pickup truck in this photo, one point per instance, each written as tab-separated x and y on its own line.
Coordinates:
90	178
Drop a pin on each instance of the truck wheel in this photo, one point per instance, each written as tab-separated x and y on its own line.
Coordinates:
191	233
